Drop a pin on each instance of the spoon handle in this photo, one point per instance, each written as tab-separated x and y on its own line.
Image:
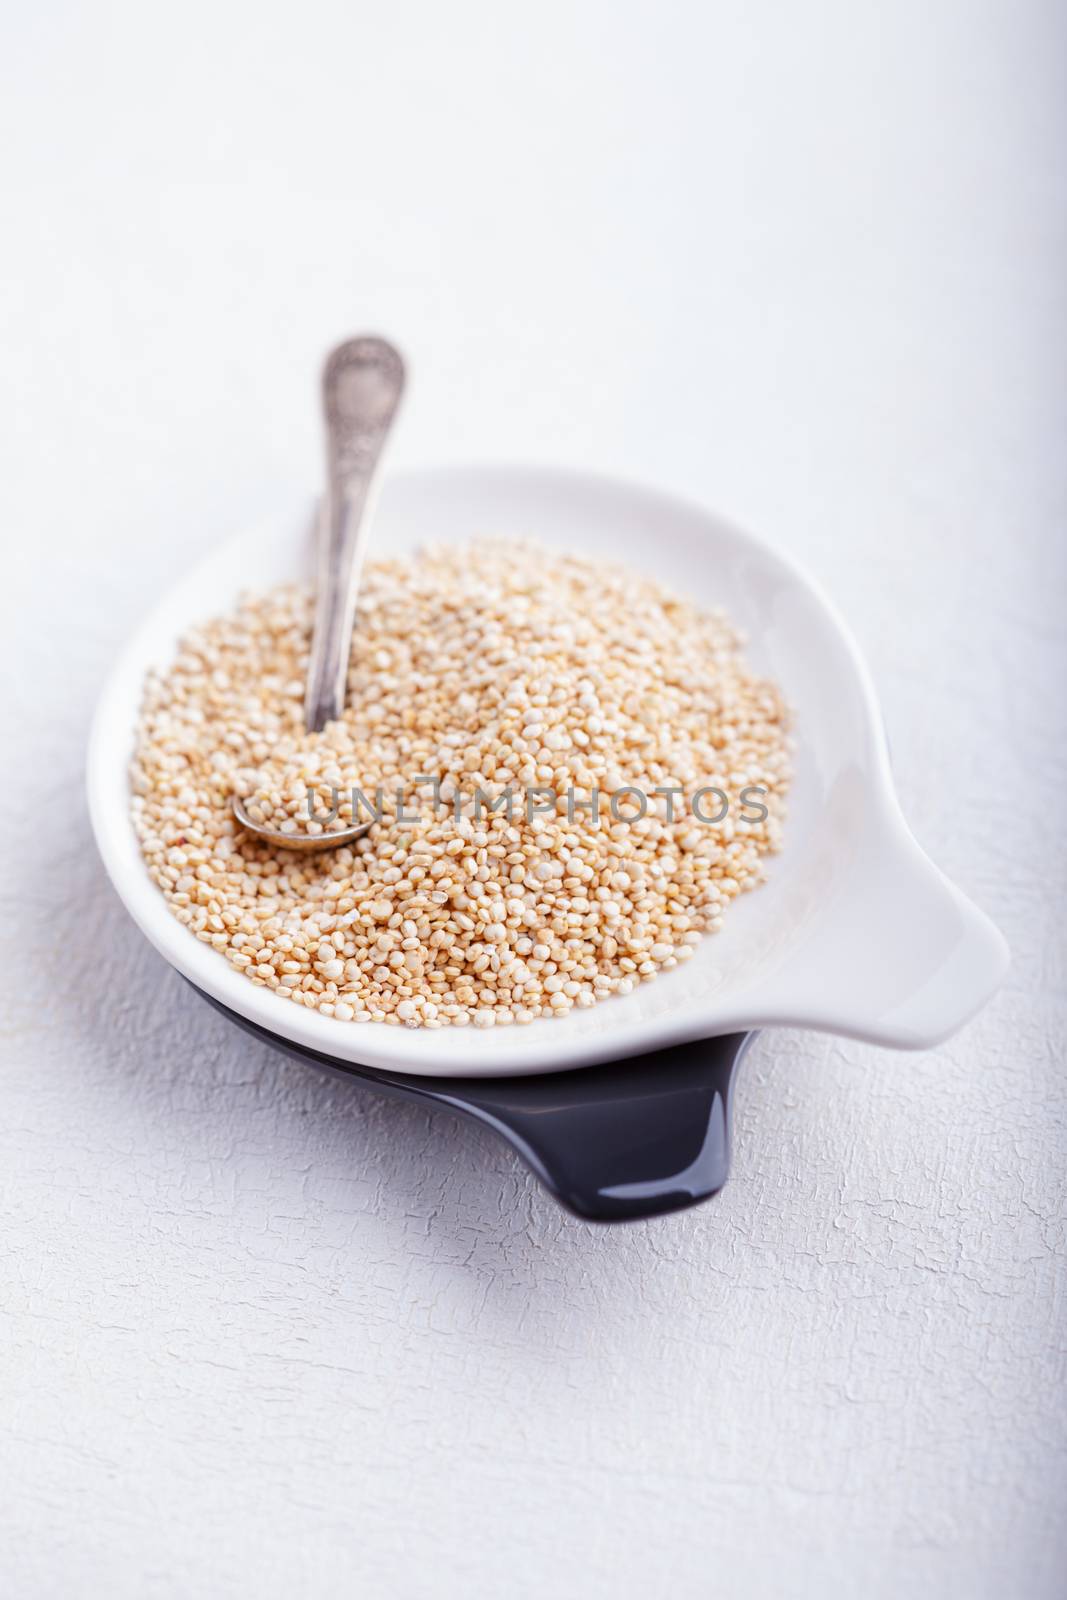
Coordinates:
362	383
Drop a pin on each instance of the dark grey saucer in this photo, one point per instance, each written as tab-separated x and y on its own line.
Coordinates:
614	1143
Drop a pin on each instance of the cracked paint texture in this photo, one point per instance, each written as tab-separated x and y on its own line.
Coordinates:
266	1333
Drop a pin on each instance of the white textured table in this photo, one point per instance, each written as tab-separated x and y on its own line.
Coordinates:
262	1333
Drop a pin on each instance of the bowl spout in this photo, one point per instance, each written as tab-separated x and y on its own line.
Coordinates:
900	957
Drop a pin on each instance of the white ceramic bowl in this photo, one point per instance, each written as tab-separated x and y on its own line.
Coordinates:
855	932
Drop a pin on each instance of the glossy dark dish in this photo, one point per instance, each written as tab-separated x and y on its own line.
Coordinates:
615	1143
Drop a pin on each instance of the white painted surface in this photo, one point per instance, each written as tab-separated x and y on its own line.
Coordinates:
262	1333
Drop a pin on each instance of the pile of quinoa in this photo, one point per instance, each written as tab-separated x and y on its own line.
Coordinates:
491	668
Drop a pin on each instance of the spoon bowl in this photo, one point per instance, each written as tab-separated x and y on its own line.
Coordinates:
307	843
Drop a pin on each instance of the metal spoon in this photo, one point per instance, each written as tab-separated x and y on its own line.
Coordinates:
362	383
